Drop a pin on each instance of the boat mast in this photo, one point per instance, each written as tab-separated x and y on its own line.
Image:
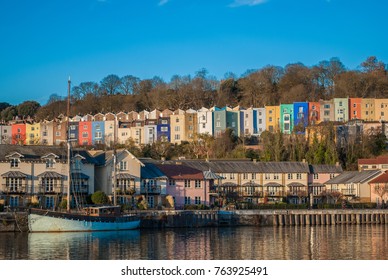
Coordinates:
114	177
68	147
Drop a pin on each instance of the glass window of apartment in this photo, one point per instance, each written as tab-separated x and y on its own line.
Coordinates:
14	162
286	118
286	126
270	119
177	137
354	105
267	176
203	125
197	184
326	106
123	165
245	176
50	163
85	134
316	176
340	103
187	183
204	118
164	128
290	176
177	120
260	121
218	124
187	200
197	200
231	176
171	182
177	128
253	176
298	176
276	176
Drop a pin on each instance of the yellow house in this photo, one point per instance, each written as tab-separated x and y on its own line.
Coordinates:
381	109
178	127
368	109
272	118
33	134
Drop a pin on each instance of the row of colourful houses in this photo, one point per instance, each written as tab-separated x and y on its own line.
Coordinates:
39	175
176	126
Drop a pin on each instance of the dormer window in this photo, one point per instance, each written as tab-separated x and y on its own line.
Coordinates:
123	165
50	163
15	162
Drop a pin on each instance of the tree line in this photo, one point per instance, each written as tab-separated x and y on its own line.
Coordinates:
270	85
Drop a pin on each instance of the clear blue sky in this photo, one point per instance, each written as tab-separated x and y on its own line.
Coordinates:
45	41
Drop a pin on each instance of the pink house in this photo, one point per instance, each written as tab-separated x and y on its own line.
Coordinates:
379	189
319	174
186	185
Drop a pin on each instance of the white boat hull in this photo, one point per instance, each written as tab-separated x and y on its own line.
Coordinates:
45	223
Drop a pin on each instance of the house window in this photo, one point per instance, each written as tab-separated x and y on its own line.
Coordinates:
48	184
197	200
98	134
267	176
218	124
197	184
85	135
187	200
177	120
171	182
177	128
270	119
85	127
231	176
245	176
14	184
187	183
289	176
316	176
14	163
253	176
276	176
326	106
123	165
50	163
177	137
298	176
164	129
340	103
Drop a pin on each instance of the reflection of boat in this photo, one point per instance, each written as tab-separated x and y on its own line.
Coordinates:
92	219
98	218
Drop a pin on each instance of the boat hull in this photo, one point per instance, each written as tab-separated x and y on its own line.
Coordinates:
47	223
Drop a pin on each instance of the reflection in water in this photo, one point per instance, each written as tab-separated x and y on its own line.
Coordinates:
364	242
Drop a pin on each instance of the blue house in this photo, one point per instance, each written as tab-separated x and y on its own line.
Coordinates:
98	132
301	116
163	129
73	130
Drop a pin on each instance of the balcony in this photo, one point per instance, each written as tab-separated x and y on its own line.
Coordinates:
125	190
275	193
349	192
14	189
50	189
152	189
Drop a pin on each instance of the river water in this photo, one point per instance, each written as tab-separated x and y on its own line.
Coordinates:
340	242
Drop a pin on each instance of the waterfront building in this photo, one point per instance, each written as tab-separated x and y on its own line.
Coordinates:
378	189
5	134
219	121
122	171
186	185
38	175
248	122
314	113
153	185
368	109
111	131
46	132
381	110
261	120
301	113
205	121
233	120
74	131
286	118
33	133
352	185
318	175
326	110
341	109
355	105
272	115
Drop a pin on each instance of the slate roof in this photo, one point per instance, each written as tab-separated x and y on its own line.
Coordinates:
349	177
14	174
325	168
35	153
51	175
151	171
180	172
247	166
378	160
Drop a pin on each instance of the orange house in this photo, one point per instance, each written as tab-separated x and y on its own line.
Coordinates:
85	133
355	108
314	113
19	133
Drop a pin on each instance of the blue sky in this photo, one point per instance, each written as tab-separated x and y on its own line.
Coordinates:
45	41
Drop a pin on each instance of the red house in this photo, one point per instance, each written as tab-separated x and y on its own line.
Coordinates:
85	133
19	134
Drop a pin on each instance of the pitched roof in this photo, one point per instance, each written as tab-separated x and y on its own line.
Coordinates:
325	168
378	160
383	178
348	177
180	172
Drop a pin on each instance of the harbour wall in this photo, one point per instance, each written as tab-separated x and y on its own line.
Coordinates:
18	222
